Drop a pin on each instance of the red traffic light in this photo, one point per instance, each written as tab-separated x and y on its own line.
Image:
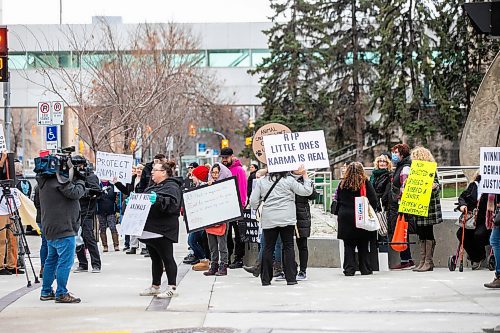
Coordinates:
4	48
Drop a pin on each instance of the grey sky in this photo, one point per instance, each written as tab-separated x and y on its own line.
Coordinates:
77	11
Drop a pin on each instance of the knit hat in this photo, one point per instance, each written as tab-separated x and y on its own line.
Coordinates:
201	173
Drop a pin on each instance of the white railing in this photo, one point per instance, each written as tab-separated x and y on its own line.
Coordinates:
323	187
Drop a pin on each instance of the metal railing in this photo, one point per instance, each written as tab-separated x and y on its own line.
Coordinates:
323	185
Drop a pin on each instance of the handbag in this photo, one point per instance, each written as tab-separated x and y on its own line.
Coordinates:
382	219
400	234
217	230
470	222
258	212
365	215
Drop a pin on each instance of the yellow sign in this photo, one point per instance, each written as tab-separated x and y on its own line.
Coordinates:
248	140
418	188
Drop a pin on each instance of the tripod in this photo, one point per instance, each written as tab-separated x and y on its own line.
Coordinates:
17	228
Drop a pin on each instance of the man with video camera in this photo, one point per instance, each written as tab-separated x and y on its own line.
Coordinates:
88	208
59	193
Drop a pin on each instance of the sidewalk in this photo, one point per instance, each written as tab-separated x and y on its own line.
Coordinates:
439	301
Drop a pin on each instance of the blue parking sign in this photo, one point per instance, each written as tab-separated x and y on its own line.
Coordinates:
51	137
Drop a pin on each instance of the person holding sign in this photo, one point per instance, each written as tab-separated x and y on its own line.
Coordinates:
350	188
425	224
161	230
279	218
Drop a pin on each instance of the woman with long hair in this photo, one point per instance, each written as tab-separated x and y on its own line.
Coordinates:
425	224
350	187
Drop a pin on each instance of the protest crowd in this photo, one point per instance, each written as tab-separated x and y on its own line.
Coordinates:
224	206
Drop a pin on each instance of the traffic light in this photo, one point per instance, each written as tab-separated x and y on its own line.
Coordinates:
224	143
132	144
192	130
4	52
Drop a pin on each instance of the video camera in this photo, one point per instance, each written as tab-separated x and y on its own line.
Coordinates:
54	164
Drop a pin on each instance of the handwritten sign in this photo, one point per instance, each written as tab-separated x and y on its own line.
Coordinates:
136	214
288	151
212	204
252	226
418	188
3	145
490	170
109	165
258	142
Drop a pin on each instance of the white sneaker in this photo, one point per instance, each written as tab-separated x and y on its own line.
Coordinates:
151	291
168	293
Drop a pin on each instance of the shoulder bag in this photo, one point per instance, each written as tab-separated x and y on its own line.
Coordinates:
258	213
364	213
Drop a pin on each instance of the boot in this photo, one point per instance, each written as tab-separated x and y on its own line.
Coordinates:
116	242
203	265
214	267
254	270
104	240
277	269
222	270
429	253
421	243
494	284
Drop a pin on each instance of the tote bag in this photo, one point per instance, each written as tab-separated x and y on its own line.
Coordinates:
365	215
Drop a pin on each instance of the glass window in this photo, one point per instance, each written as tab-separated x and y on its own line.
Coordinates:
229	58
18	61
42	60
259	55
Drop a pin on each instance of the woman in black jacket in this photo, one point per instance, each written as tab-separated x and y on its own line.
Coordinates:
381	181
162	228
476	239
350	188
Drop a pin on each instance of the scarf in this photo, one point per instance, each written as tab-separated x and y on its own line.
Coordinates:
376	173
490	211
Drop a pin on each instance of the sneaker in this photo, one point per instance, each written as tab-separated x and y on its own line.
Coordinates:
168	293
49	297
193	261
203	265
96	270
126	248
301	276
151	291
495	284
236	264
280	277
404	265
67	298
143	252
15	270
132	250
5	272
80	269
187	259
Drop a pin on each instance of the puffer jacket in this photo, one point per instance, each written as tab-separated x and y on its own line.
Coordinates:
303	212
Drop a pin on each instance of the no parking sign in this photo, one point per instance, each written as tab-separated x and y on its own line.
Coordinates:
57	113
44	116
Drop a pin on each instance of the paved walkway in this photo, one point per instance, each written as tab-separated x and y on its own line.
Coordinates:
439	301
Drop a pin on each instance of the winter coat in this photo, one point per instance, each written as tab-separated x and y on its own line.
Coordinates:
469	198
241	179
36	202
145	178
346	216
60	206
88	203
279	208
398	179
106	204
129	187
251	177
381	181
303	212
163	217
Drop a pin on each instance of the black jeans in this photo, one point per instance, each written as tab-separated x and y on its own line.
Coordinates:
161	251
289	265
350	256
90	244
425	232
238	246
303	252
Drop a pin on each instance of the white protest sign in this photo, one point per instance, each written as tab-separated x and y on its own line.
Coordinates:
3	145
288	151
490	170
212	204
136	214
109	165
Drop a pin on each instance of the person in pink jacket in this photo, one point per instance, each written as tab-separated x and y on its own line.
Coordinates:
234	165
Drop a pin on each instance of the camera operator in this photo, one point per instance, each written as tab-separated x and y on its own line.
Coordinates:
88	209
60	209
7	237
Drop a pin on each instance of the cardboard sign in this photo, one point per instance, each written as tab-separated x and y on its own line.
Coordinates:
3	145
109	165
212	204
418	188
136	214
258	142
288	151
490	170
